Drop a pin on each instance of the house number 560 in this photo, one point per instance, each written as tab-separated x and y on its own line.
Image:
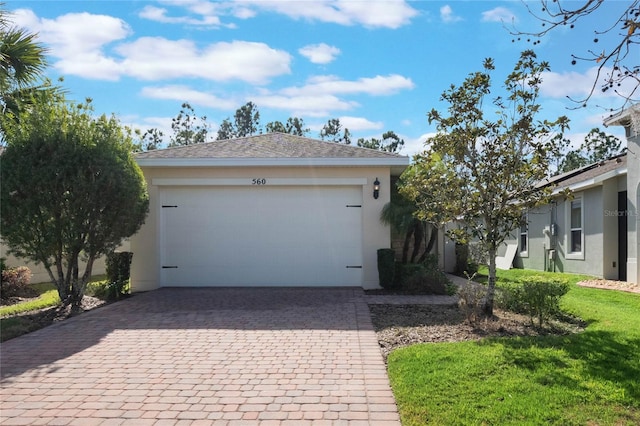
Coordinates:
259	181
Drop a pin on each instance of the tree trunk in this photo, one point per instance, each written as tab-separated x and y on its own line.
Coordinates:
487	306
405	247
418	236
430	243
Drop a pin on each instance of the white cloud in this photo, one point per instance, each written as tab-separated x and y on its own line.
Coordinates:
82	43
320	96
498	14
375	86
320	53
186	94
447	15
372	14
147	59
355	124
387	14
578	85
78	41
413	146
305	105
159	14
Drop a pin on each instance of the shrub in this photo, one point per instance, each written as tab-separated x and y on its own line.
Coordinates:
15	282
118	268
471	296
424	278
386	268
536	296
465	266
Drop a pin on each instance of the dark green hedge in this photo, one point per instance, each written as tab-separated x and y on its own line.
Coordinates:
386	267
118	272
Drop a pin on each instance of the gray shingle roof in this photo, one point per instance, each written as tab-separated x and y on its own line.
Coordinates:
269	145
586	173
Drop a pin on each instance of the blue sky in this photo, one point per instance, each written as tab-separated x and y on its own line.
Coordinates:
375	65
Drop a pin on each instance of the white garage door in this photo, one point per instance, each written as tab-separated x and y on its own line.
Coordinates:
261	236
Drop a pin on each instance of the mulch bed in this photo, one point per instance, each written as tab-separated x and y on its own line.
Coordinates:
611	285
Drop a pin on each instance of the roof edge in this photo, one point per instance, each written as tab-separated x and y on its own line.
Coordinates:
273	162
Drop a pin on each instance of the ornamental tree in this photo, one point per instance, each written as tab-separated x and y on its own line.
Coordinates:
481	168
70	191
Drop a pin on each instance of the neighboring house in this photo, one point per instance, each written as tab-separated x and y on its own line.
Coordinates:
581	233
595	231
266	210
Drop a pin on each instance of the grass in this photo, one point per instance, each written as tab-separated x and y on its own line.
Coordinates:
14	319
48	297
591	378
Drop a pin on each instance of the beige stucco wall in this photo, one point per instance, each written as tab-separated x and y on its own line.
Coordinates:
39	274
145	269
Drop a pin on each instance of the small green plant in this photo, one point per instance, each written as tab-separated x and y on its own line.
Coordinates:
118	267
536	296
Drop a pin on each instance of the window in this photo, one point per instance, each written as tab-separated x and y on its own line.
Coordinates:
524	235
575	226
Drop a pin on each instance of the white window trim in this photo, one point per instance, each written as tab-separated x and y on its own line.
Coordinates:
567	236
520	233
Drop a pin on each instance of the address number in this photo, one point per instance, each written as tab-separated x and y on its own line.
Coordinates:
261	181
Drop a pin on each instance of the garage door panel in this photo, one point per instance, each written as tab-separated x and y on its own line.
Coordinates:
261	236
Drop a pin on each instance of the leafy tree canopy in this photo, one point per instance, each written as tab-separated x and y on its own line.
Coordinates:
390	142
246	123
70	190
597	146
294	126
480	171
187	128
334	132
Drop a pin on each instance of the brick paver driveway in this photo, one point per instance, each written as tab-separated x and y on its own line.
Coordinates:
203	356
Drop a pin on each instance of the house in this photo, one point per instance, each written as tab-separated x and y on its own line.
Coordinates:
267	210
595	230
581	233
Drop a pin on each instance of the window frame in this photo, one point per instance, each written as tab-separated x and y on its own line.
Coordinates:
525	222
574	255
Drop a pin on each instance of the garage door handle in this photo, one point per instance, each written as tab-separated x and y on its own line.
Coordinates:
169	267
354	205
354	266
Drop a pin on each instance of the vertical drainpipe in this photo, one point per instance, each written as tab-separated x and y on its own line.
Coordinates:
554	235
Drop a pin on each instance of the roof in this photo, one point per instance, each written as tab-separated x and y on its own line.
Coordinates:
622	118
588	176
270	149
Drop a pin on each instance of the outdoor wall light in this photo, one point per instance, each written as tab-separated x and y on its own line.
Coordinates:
376	188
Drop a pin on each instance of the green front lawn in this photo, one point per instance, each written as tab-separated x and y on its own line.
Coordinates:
591	378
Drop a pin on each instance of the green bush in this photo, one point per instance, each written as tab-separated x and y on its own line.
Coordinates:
465	266
118	268
536	296
386	267
424	278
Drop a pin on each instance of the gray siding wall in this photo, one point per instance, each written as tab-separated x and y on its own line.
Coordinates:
599	255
